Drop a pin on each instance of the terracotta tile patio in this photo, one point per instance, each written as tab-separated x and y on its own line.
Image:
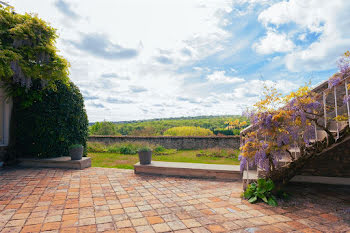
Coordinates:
113	200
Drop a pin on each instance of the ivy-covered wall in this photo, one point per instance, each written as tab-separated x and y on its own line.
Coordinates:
48	112
49	126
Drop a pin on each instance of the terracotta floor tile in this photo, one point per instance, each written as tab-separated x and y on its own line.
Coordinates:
154	220
105	227
51	226
69	230
161	227
123	224
116	200
104	219
191	223
126	230
139	222
31	228
87	221
87	229
176	225
15	223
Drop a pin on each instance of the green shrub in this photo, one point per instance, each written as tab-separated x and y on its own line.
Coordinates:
158	149
165	152
144	149
75	146
188	131
262	190
96	147
128	150
226	132
49	126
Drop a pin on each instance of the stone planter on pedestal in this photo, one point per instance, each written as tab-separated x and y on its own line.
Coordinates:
145	157
76	152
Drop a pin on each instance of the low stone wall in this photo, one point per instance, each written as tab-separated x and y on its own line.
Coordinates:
175	142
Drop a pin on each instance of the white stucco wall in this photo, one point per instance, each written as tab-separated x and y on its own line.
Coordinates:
7	117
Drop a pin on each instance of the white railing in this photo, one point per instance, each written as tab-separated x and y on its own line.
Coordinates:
322	89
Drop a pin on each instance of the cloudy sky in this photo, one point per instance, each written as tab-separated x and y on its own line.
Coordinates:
160	58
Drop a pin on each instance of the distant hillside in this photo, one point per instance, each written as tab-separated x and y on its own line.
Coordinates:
174	118
154	127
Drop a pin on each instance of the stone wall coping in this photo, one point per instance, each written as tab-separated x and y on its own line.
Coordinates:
114	136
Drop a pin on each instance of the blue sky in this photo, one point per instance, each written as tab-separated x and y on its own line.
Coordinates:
160	58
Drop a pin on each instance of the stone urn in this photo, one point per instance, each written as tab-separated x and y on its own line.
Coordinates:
145	155
76	152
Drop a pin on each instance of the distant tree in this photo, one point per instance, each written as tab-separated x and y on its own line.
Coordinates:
144	131
188	131
103	128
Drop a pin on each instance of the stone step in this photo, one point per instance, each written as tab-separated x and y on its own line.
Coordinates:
333	126
321	135
251	175
60	162
192	170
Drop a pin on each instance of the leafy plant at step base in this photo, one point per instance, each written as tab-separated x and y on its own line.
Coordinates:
49	126
261	190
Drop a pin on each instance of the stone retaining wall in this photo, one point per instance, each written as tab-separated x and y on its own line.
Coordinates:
175	142
334	162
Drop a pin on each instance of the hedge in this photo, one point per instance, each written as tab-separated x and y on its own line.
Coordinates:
50	125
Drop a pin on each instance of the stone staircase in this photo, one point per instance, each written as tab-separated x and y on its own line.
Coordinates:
333	106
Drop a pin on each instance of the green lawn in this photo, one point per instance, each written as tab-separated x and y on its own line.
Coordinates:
116	160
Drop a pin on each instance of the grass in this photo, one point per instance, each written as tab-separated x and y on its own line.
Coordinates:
117	160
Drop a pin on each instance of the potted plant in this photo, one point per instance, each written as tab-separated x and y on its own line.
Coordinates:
76	151
145	155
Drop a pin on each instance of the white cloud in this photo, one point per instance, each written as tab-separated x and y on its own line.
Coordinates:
161	50
138	46
274	42
220	77
327	18
255	87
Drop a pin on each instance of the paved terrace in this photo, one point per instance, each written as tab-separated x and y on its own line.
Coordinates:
113	200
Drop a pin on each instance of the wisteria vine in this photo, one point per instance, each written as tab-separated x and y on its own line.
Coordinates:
281	123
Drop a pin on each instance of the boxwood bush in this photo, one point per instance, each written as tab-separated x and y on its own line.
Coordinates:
50	125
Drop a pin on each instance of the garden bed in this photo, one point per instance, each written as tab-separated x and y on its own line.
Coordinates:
117	160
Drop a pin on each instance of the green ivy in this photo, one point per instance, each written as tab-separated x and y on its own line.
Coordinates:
49	126
262	190
28	43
